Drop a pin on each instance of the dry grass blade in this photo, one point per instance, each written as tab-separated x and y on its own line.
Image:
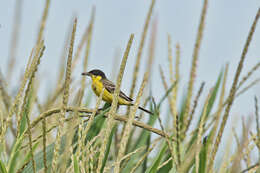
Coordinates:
186	127
16	103
61	116
247	76
43	21
177	71
126	157
175	123
88	111
195	58
111	113
238	156
254	137
24	108
169	143
234	85
128	126
189	158
257	122
85	131
88	35
44	141
143	157
252	168
29	72
142	125
249	149
15	37
226	156
257	118
173	100
3	93
140	49
170	57
243	90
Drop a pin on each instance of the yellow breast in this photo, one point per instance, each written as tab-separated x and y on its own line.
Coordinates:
97	87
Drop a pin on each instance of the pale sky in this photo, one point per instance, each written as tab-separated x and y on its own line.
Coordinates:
226	30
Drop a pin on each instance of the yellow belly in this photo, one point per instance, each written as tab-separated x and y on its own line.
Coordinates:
107	96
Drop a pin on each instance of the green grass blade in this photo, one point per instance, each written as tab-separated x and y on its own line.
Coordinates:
144	167
97	125
108	148
94	130
203	157
38	157
153	168
76	164
145	135
2	167
167	167
12	162
182	110
210	105
28	155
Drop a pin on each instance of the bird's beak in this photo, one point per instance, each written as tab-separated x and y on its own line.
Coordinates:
86	74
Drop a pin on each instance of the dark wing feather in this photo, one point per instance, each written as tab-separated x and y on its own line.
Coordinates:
111	88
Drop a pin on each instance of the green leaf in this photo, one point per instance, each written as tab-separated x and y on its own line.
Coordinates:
208	109
12	162
97	124
167	167
23	123
203	157
182	111
39	157
76	164
148	143
2	167
28	155
108	148
145	135
154	166
141	141
94	130
213	96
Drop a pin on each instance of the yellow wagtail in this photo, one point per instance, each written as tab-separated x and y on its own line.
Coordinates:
100	81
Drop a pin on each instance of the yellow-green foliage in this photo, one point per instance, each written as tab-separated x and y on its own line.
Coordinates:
92	140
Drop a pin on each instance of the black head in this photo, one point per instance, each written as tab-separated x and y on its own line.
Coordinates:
95	72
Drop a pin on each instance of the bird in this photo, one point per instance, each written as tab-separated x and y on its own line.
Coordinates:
100	81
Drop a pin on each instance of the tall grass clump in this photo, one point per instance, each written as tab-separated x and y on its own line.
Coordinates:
64	133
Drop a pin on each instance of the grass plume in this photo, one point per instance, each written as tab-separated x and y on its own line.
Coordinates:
232	91
63	129
61	117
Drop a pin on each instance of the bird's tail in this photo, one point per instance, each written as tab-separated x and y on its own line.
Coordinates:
145	110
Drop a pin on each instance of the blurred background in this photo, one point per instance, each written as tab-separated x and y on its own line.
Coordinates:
226	30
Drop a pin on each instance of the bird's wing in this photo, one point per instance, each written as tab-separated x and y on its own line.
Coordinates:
111	88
